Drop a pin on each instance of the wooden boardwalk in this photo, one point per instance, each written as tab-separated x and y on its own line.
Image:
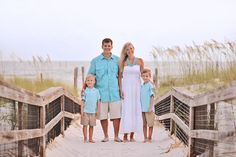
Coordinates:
72	144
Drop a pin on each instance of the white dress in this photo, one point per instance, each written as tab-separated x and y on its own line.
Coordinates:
131	118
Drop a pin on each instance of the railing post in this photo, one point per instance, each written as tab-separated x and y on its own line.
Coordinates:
76	78
82	70
62	110
171	111
42	148
155	78
191	127
20	120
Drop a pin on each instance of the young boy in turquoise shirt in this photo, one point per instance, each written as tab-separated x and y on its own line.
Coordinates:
90	107
147	98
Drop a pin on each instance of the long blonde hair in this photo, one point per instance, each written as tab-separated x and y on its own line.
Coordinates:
123	54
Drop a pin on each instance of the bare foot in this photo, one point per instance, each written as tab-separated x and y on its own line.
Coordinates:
145	140
132	140
91	141
125	140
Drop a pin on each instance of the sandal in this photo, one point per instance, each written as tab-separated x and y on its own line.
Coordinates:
118	139
106	139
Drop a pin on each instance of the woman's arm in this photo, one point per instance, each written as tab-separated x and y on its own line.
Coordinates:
120	72
140	63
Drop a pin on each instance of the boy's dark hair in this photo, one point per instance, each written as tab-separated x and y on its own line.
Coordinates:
147	71
107	40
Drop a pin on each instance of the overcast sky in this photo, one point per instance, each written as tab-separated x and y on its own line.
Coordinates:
74	29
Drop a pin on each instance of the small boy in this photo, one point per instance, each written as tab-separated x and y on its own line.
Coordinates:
90	107
147	98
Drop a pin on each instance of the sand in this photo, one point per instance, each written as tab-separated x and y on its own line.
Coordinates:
163	145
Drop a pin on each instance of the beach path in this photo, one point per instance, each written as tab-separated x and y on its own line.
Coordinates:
163	145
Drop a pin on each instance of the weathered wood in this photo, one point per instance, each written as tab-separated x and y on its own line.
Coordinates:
171	111
20	126
165	116
42	144
19	94
76	78
191	127
222	93
82	70
70	96
62	110
205	134
17	135
41	99
71	116
162	97
180	123
182	97
51	94
53	122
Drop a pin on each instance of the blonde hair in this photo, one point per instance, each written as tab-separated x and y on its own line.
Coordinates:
145	70
123	54
90	76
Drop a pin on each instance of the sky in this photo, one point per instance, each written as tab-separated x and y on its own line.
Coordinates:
73	29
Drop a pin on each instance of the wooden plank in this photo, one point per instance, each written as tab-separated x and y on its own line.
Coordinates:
165	116
219	94
19	94
62	120
76	78
42	144
20	126
53	122
180	123
159	99
191	126
205	134
71	116
182	97
51	94
70	96
17	135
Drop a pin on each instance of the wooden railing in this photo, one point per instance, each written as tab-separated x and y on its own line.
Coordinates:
29	121
204	122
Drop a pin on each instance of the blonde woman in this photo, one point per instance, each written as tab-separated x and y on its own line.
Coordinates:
130	68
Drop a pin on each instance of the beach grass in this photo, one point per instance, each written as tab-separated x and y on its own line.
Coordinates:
38	85
209	65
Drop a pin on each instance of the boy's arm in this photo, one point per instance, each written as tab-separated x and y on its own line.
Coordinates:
98	103
151	103
152	94
98	107
82	108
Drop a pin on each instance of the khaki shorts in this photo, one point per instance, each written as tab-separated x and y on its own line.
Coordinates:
148	119
113	108
88	119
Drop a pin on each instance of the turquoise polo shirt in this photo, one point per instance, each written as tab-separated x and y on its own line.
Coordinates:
106	72
90	97
146	94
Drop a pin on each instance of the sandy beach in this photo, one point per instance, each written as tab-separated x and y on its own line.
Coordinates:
163	145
